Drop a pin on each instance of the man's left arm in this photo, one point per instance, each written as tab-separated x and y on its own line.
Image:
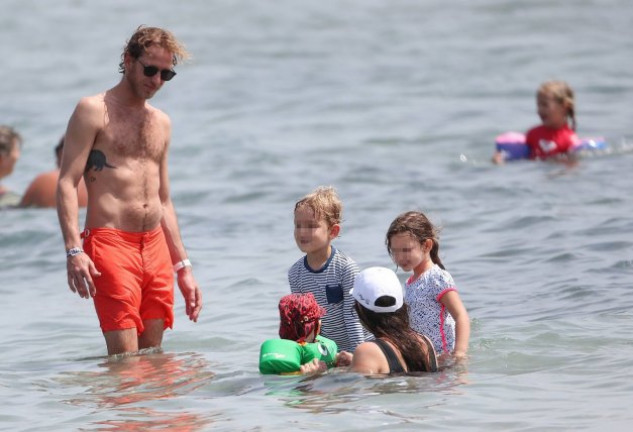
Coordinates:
182	266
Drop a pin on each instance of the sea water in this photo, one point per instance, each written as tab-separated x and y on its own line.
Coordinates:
396	103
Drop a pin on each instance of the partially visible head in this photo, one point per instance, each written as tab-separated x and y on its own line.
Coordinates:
10	143
556	104
378	289
381	310
299	317
146	37
419	228
379	301
59	148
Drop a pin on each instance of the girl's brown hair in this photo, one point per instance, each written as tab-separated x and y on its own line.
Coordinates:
420	228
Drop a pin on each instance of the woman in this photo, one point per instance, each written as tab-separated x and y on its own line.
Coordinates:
380	307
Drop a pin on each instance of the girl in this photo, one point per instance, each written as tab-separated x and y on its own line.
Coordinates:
556	135
556	108
435	309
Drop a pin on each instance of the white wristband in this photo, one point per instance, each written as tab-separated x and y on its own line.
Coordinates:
74	251
181	265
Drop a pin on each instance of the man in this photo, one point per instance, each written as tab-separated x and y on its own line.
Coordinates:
132	247
42	192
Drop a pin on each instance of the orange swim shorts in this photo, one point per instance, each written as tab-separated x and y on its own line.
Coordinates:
137	279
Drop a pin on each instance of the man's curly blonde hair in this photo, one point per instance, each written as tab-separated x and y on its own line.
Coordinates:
144	37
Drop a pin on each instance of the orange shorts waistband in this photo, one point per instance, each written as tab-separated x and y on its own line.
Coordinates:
129	236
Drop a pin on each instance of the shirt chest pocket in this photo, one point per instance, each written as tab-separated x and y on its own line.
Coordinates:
334	293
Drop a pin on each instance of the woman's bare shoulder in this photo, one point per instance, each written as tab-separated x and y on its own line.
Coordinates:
369	359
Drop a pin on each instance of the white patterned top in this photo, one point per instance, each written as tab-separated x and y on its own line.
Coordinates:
426	314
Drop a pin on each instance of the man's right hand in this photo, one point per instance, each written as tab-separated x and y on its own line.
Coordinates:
81	270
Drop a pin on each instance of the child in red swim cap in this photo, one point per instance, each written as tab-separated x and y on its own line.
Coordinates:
300	321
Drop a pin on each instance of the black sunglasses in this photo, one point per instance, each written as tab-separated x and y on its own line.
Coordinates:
150	71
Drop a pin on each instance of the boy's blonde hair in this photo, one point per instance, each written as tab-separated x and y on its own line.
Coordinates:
325	203
562	93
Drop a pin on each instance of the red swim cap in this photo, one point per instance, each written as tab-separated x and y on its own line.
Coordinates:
299	315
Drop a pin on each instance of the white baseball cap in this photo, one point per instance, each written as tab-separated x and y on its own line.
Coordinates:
374	283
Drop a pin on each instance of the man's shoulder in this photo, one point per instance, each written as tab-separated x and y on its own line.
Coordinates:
156	111
92	100
41	190
44	179
91	105
159	116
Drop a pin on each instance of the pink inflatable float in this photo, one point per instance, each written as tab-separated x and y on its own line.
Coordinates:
513	146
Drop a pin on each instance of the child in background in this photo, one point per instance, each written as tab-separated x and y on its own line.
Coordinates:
325	271
435	308
554	137
10	145
42	192
556	108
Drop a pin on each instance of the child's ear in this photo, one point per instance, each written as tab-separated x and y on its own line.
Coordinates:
335	231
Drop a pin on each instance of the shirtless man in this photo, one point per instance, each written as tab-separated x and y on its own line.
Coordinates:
132	245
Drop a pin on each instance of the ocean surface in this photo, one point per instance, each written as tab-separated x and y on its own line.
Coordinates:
397	104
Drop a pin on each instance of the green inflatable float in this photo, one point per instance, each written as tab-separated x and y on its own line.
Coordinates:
282	356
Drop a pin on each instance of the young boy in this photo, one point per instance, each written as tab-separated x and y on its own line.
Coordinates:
325	271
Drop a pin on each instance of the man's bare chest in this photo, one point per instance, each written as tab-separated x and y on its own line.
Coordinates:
133	136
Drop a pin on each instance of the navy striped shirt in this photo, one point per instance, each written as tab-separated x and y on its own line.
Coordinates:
331	285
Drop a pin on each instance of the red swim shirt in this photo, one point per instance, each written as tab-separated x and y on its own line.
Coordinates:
545	142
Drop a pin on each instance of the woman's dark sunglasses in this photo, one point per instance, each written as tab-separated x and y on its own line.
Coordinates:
150	71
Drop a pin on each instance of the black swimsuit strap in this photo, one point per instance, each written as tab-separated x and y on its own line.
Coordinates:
394	364
432	354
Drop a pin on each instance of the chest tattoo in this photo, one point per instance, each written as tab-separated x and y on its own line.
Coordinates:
97	160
